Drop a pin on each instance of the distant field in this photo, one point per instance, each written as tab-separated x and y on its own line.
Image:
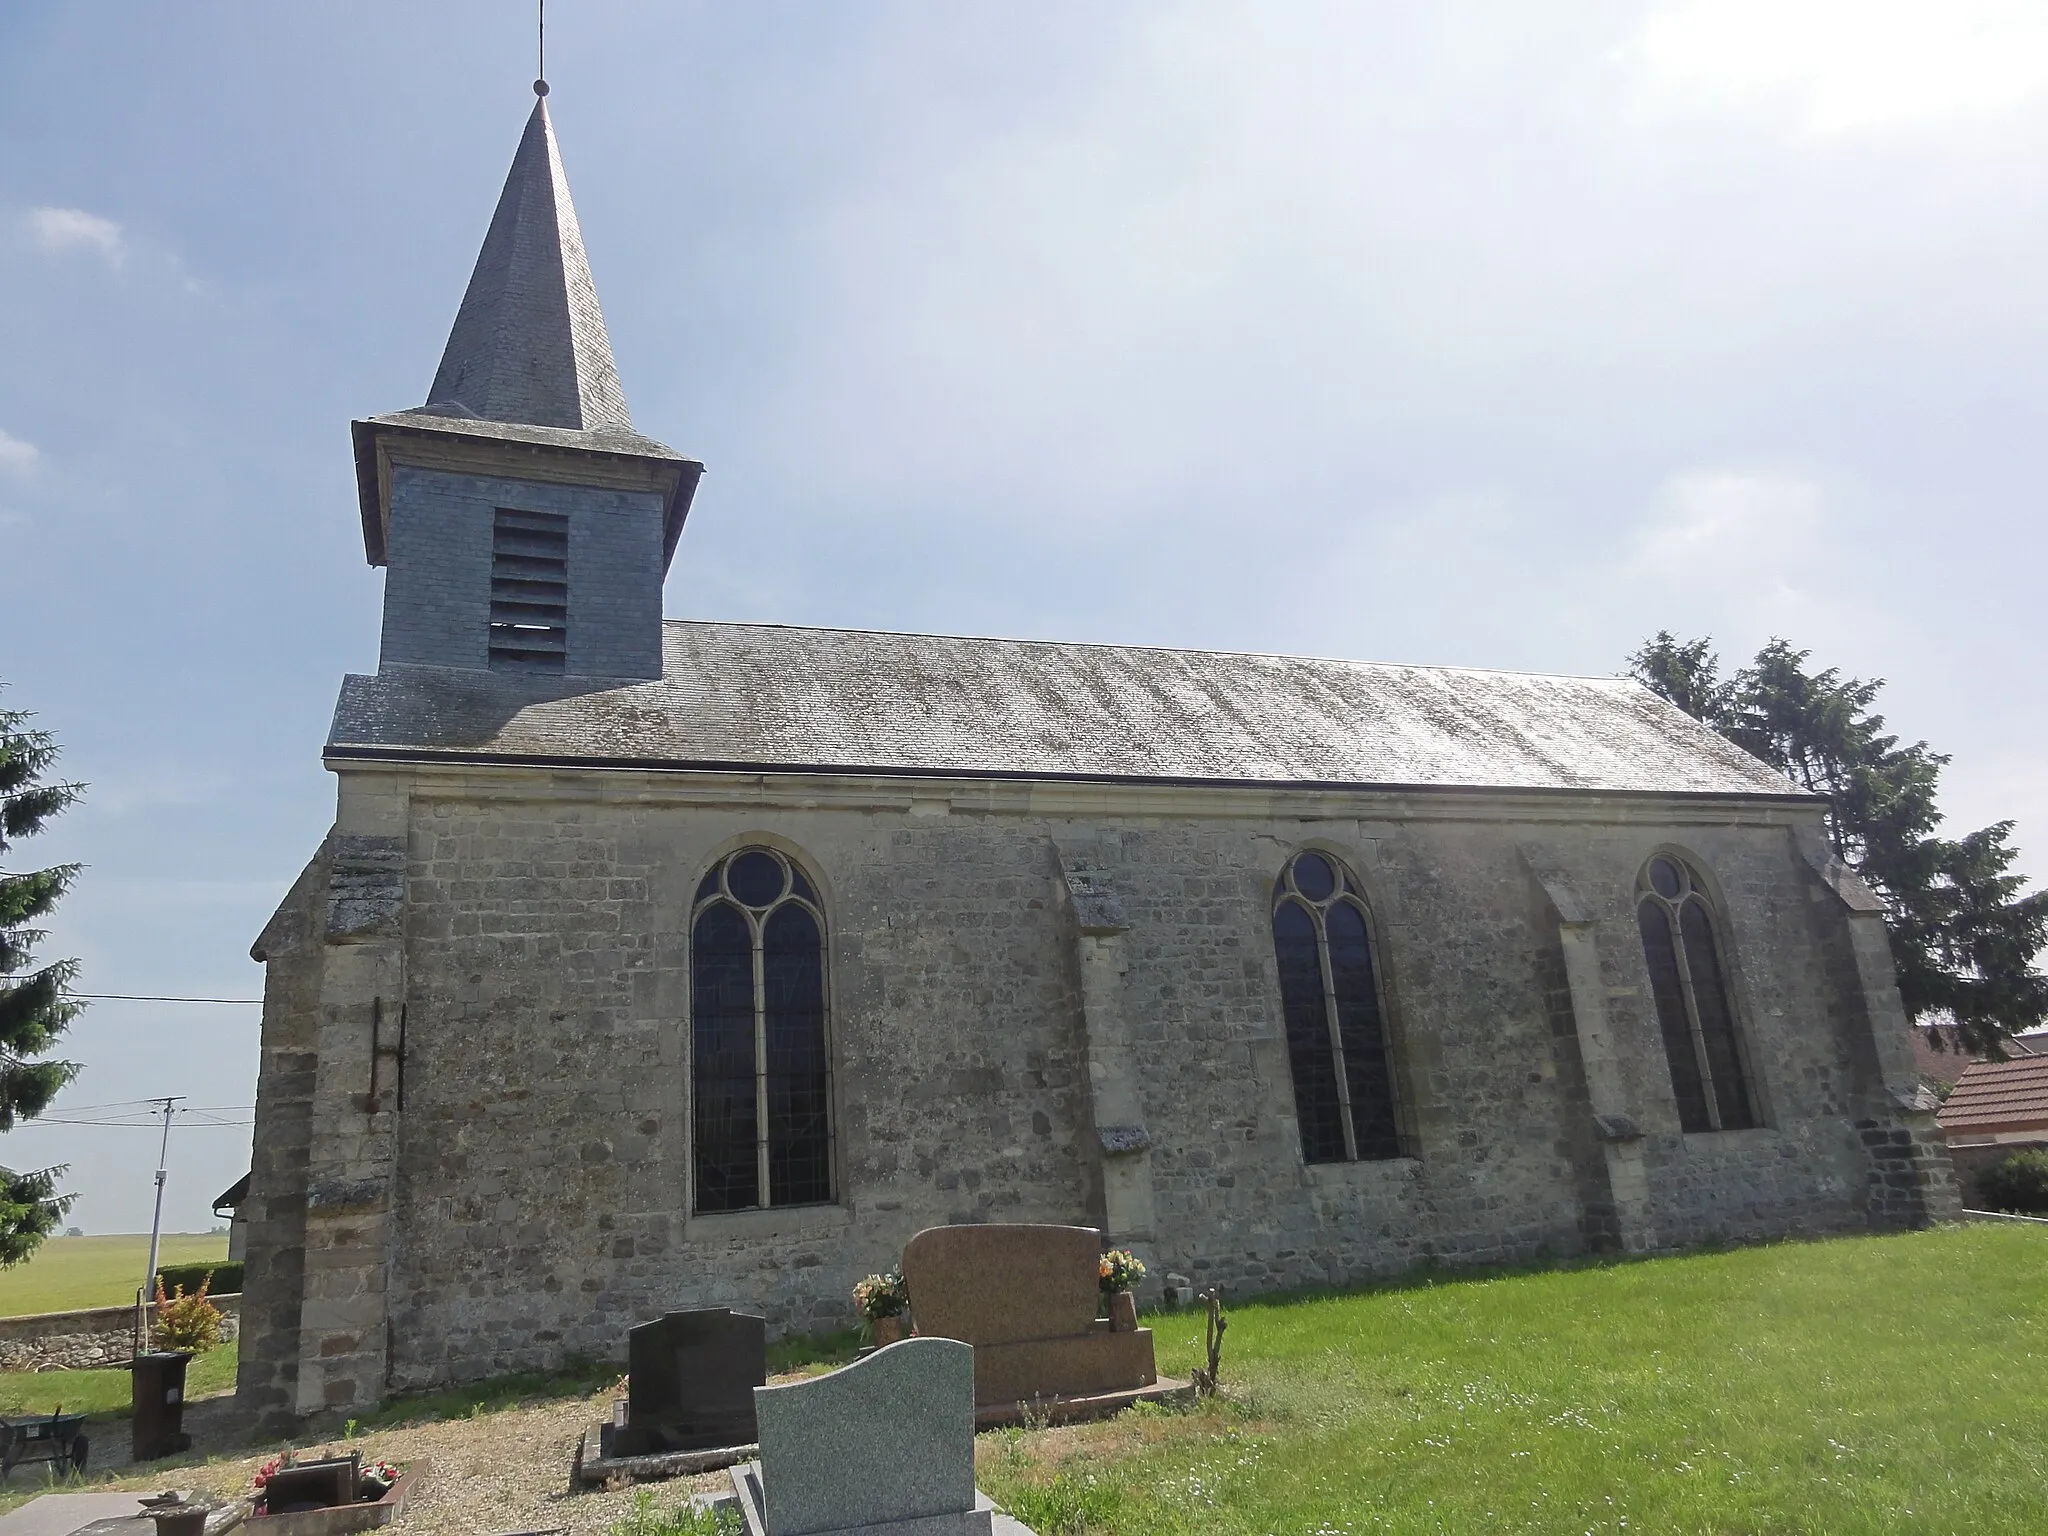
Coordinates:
68	1273
105	1394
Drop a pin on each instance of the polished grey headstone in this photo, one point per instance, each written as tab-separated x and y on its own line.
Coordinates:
982	1520
886	1445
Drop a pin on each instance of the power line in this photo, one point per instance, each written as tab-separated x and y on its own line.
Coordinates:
129	1119
151	997
123	1125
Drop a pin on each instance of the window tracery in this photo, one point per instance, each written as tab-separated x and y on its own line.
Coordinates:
1337	1039
1689	983
761	1083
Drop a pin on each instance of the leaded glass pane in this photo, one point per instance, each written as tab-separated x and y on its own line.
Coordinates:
1717	1025
1373	1126
799	1111
1313	877
1667	879
725	1138
708	886
1668	989
755	878
1309	1052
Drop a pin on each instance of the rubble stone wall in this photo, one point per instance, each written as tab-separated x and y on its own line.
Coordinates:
540	1195
89	1340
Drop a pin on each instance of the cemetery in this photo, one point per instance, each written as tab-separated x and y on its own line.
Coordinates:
1677	1393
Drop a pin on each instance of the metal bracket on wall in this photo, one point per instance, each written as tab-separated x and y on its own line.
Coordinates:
379	1050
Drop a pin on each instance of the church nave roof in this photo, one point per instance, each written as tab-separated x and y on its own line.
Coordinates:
773	697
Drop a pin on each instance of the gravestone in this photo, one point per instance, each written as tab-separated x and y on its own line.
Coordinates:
692	1383
309	1485
1003	1284
884	1447
1025	1298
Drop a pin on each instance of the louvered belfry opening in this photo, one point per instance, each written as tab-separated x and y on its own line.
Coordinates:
529	591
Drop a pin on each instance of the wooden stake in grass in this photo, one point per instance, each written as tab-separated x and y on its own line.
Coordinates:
1205	1380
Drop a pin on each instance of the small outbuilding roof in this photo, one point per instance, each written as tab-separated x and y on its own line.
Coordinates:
1999	1096
232	1198
768	697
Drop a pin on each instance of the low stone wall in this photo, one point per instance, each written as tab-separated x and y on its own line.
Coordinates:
88	1340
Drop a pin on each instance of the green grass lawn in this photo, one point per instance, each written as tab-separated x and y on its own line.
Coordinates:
73	1272
103	1393
1888	1384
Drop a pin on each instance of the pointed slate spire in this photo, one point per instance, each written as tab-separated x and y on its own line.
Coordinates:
529	343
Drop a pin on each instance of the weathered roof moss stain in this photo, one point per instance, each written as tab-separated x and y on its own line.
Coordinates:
772	696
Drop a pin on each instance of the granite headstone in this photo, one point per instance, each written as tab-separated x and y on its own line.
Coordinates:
1003	1283
692	1382
885	1445
1025	1298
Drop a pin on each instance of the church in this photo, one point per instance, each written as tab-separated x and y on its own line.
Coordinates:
658	963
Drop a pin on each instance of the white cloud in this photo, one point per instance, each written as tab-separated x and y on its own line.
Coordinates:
73	229
1725	526
1755	553
17	456
1852	64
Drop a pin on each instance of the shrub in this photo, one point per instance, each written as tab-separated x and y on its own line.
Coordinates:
2020	1184
189	1323
225	1277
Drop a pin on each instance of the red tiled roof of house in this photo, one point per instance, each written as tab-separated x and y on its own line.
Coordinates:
1999	1096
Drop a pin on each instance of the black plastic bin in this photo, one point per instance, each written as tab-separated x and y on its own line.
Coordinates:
157	1390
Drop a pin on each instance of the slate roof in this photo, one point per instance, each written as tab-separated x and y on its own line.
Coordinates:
528	360
529	343
1998	1096
774	697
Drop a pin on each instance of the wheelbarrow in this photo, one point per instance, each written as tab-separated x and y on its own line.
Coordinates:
56	1439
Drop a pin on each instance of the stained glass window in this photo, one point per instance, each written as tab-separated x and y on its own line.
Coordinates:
1337	1042
761	1076
1690	988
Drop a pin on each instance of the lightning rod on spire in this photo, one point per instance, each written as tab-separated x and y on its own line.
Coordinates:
540	84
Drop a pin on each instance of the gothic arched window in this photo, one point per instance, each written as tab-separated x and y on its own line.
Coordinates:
1337	1040
1690	986
760	1075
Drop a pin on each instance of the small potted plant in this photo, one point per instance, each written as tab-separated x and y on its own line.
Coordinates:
884	1302
1119	1270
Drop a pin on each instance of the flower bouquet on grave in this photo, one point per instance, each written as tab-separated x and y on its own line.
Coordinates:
1118	1271
883	1302
378	1478
270	1469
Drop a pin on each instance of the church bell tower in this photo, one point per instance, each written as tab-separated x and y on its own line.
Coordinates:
523	525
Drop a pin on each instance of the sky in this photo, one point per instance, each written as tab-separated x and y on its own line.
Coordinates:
1478	334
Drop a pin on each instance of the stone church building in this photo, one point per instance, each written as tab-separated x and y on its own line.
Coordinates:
654	963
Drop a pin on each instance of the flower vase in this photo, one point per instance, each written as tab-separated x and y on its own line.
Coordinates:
1123	1312
887	1330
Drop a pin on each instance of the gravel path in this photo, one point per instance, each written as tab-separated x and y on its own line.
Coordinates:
493	1474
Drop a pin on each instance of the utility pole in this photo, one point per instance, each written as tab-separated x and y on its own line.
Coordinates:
156	1222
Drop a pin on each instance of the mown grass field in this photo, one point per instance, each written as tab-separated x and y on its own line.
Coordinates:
1861	1385
73	1272
24	1394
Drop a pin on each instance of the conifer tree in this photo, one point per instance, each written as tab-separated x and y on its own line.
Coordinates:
1965	933
34	1005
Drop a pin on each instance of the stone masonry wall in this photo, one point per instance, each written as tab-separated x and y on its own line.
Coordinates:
89	1340
540	1199
266	1375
